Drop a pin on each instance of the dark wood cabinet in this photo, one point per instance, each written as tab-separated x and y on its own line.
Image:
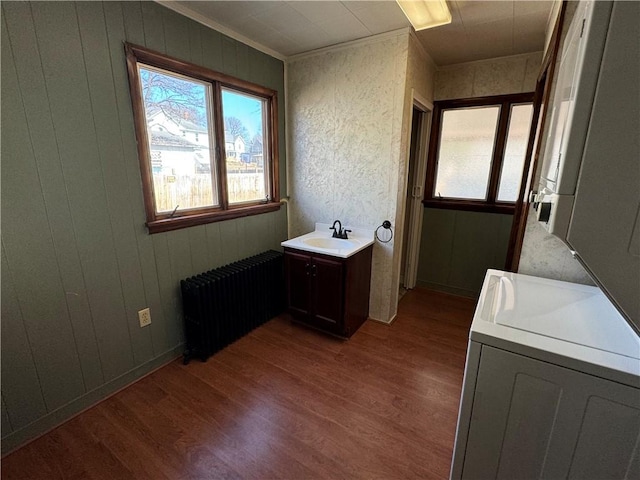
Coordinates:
329	293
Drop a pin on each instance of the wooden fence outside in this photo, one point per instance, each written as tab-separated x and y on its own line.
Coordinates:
191	191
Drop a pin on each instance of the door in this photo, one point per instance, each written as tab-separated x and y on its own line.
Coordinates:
327	288
298	268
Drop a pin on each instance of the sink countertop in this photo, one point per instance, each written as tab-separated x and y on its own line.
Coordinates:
359	239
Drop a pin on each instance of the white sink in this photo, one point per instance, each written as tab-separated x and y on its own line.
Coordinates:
321	241
330	243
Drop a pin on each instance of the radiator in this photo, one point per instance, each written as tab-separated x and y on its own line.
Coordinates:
224	304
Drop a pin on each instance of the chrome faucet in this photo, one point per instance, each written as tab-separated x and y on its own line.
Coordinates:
339	232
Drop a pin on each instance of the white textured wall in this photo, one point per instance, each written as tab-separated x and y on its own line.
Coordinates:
545	255
497	76
420	81
345	117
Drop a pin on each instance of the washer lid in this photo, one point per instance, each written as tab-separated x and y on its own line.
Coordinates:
574	313
572	325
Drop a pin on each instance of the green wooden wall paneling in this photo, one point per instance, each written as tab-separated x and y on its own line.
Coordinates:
457	247
131	14
195	45
45	149
242	61
77	262
214	245
153	26
241	237
165	281
21	391
74	123
436	245
229	60
6	422
198	249
128	15
211	47
476	244
176	34
255	234
229	241
156	18
97	60
181	267
281	227
30	253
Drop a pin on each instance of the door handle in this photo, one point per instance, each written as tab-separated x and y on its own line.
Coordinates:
306	269
314	270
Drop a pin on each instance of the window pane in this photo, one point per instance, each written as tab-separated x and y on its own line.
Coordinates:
246	150
466	148
177	116
514	152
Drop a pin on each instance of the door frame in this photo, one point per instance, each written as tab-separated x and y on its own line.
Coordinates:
544	86
416	209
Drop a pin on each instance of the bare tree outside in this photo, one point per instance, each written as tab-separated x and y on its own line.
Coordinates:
236	128
176	97
176	109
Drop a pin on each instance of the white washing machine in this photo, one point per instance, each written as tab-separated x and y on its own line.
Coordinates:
551	387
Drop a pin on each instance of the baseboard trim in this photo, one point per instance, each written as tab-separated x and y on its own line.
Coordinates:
460	292
54	419
386	322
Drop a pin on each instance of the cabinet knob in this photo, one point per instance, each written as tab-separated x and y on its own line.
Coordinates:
314	270
306	269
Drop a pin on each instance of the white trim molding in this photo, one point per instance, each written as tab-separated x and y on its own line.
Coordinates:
207	22
421	49
453	66
341	46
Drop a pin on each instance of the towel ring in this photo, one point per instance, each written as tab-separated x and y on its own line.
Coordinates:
386	225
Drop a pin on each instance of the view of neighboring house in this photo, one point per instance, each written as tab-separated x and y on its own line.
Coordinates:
175	155
158	118
257	150
178	146
235	146
181	147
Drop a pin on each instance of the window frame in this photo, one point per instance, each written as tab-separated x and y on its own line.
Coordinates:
162	222
491	204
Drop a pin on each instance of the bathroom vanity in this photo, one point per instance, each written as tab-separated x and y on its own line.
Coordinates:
328	279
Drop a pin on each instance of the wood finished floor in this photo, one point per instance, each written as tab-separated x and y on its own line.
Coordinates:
282	402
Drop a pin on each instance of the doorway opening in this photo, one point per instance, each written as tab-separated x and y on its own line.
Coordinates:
416	171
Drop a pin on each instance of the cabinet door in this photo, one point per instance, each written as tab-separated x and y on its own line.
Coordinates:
298	267
575	87
605	226
327	292
531	419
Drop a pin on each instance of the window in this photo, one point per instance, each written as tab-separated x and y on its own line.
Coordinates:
207	142
477	152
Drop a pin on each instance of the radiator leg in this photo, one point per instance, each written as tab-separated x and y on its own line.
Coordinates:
186	357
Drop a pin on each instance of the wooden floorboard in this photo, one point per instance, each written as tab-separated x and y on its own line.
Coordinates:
283	402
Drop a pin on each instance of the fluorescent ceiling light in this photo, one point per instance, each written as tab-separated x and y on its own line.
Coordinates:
426	13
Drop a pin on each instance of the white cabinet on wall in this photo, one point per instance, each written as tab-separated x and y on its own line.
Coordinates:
589	191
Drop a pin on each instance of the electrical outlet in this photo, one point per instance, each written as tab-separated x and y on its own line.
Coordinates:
145	317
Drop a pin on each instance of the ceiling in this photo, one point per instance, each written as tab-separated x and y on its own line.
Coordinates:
479	29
